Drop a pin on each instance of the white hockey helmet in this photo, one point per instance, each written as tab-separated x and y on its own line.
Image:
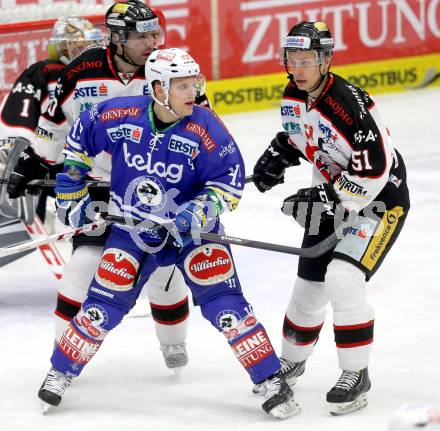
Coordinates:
165	64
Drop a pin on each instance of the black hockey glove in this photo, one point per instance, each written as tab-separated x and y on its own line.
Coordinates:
29	167
312	205
270	167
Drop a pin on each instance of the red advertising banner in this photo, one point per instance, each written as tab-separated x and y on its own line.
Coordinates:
232	38
251	30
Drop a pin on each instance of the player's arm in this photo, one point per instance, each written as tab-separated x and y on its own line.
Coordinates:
84	141
22	108
221	175
55	123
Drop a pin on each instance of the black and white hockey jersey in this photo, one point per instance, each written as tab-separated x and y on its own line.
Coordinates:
342	135
28	98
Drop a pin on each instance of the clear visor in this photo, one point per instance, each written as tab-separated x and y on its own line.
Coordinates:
150	39
193	86
295	58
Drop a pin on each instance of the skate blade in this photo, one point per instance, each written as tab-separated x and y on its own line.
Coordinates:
177	372
286	410
337	409
45	407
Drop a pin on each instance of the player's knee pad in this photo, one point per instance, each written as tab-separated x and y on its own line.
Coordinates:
79	272
227	312
308	296
345	284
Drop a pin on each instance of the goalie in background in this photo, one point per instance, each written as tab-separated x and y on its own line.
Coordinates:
30	97
336	127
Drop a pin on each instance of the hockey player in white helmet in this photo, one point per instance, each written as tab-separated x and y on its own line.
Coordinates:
179	160
136	30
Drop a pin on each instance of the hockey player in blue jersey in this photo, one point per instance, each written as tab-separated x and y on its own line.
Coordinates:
174	163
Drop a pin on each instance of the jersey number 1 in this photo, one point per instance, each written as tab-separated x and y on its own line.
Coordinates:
25	111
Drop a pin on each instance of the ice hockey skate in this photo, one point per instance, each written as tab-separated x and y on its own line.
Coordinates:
350	392
279	399
53	388
289	370
175	356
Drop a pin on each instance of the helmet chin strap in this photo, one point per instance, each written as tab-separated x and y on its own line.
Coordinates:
166	105
322	77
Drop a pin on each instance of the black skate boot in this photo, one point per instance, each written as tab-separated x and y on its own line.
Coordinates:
350	392
289	370
53	388
279	399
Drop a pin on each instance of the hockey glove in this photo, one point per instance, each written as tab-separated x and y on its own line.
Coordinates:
29	167
270	167
312	205
72	198
193	217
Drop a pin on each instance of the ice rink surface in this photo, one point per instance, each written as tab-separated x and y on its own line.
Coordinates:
127	387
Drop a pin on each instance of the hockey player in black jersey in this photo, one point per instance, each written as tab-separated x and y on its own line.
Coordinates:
98	74
34	88
357	175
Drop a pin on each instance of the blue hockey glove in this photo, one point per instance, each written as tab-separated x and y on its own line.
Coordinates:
193	217
312	205
72	198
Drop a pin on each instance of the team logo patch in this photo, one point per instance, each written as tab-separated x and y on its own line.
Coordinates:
117	270
209	264
227	319
149	193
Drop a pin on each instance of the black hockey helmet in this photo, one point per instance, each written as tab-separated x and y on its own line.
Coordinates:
308	35
132	16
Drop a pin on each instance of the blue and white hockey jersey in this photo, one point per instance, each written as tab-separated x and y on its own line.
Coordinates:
154	172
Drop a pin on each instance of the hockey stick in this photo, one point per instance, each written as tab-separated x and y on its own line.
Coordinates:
44	184
317	250
67	234
310	252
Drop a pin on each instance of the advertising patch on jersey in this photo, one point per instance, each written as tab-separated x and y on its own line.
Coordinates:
43	133
232	325
172	172
90	91
130	132
209	264
77	346
149	193
197	129
253	348
116	113
227	149
179	144
291	127
351	188
117	270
